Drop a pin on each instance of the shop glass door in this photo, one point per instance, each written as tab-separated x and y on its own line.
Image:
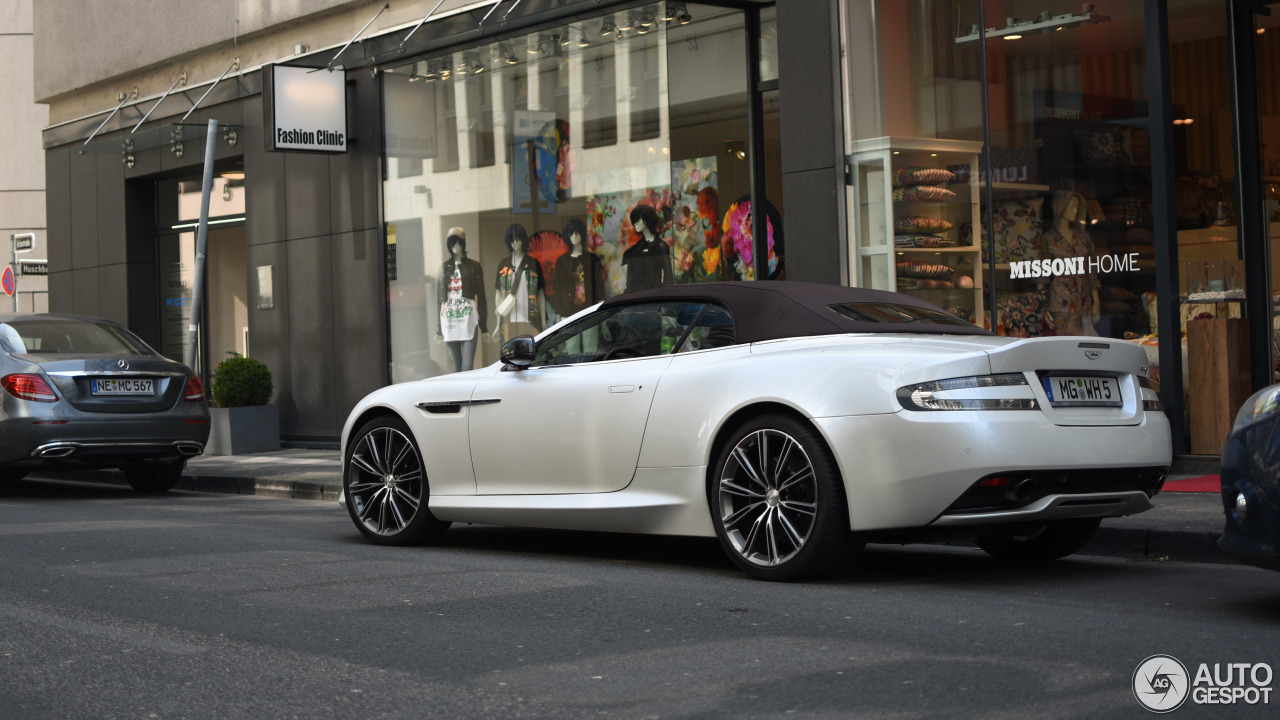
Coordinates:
1266	52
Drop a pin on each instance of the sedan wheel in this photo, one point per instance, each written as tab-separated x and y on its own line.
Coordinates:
778	502
386	487
1055	540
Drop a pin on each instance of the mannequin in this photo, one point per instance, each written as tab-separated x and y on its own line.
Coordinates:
579	273
647	263
526	316
1073	299
461	298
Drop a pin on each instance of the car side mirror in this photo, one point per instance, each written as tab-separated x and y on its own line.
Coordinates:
517	353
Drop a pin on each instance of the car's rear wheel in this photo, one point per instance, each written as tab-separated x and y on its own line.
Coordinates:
1054	540
154	477
778	503
385	485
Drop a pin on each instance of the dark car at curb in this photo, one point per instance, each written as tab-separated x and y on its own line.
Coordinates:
1250	475
81	392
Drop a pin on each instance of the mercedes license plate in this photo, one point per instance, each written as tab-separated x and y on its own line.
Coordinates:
1083	391
123	386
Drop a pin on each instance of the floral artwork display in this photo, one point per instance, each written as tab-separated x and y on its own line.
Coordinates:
696	228
609	229
739	242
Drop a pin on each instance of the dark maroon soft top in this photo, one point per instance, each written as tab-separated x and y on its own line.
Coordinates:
771	310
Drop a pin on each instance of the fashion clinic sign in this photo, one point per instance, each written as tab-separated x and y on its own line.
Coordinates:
306	109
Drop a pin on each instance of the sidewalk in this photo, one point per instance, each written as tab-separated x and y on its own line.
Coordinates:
1183	525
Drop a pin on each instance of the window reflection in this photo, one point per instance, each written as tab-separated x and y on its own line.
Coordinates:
559	136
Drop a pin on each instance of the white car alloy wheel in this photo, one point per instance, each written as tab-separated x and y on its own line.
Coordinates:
386	486
778	503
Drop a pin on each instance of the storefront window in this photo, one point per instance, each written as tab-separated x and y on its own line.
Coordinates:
1069	247
560	168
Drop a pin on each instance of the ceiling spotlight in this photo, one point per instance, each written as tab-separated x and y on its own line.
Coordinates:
564	37
473	60
669	12
682	14
607	27
582	39
646	19
629	23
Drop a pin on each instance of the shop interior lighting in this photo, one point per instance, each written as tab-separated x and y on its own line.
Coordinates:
507	54
682	14
607	27
669	11
646	18
475	63
538	47
1016	28
629	23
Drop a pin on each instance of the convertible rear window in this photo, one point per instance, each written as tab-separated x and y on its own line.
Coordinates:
68	336
897	314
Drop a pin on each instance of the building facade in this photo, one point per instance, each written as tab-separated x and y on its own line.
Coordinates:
1040	168
21	166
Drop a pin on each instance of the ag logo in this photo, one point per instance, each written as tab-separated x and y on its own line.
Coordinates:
1160	683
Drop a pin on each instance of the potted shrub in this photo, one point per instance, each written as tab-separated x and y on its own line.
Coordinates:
241	418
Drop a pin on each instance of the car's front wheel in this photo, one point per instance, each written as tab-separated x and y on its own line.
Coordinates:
154	477
385	485
778	503
1054	540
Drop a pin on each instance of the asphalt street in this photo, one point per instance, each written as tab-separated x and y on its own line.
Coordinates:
205	605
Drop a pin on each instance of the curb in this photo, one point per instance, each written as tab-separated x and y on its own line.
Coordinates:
279	487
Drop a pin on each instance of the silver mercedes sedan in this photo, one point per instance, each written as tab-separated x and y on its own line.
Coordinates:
82	392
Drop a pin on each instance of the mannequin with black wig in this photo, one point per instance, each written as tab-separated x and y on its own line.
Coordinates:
579	273
647	263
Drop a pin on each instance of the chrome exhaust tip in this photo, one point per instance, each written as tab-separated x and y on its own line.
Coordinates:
1023	491
57	451
190	449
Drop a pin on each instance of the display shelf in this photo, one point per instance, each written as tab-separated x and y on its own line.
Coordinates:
874	163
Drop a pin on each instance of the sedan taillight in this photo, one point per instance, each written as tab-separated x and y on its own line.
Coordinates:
29	387
195	389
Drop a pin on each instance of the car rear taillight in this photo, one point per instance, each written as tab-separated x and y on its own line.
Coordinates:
195	389
29	387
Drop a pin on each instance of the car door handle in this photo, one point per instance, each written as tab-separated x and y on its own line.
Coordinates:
622	388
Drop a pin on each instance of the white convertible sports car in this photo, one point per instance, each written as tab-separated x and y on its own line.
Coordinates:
794	421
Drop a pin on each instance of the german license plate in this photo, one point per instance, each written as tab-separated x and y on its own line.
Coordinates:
1083	391
123	386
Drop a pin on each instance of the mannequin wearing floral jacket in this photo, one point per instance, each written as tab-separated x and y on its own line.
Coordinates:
526	287
1073	299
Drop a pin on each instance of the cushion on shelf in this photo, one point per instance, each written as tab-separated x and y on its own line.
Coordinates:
926	225
1022	314
924	270
923	193
908	176
922	241
1017	230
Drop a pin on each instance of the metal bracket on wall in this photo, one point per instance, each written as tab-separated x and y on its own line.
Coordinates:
124	98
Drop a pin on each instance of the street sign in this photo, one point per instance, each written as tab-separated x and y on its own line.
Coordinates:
7	279
33	267
22	242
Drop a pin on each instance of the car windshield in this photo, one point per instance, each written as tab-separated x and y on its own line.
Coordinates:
68	337
896	314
